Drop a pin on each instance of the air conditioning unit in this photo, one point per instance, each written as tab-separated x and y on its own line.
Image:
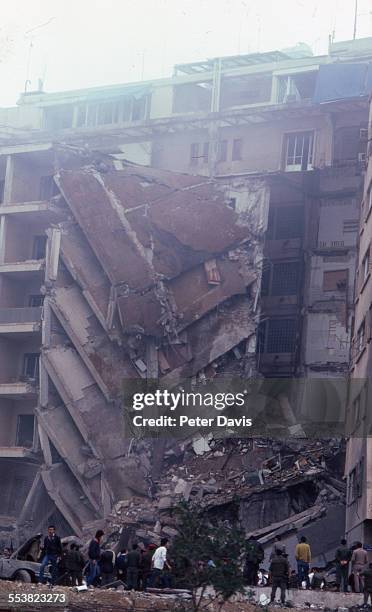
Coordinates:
362	157
363	134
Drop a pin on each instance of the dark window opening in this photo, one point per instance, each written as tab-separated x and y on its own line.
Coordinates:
292	88
286	278
281	336
35	301
347	145
25	430
31	366
239	91
289	222
39	248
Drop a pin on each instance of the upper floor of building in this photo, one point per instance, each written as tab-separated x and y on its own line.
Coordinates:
260	82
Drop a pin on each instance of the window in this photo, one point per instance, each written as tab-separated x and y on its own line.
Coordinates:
281	336
31	366
360	338
350	226
299	151
365	266
296	87
335	280
222	150
289	222
25	430
194	154
39	248
48	188
35	301
286	277
237	149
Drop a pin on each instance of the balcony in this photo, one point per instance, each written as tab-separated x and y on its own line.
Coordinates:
20	320
23	269
15	452
18	390
45	209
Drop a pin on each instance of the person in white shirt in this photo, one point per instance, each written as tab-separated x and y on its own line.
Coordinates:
159	564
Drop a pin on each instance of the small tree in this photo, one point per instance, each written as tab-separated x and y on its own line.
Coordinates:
206	553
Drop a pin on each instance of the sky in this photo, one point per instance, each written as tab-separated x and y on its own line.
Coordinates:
72	44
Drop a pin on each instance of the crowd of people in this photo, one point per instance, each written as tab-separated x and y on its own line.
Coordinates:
143	567
138	568
353	571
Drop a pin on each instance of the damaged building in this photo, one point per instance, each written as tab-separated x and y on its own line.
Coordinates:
200	225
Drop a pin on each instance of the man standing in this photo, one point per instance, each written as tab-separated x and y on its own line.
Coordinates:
359	560
133	567
255	555
52	550
278	545
94	555
343	557
159	561
303	558
367	591
279	571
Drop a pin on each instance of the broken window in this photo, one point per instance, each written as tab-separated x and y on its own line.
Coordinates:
48	187
237	149
281	336
192	97
242	90
289	222
335	280
25	430
31	366
292	88
222	150
298	151
39	247
35	301
285	278
59	117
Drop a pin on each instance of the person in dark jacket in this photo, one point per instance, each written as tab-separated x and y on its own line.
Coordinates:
76	563
278	545
146	565
133	567
107	566
94	555
254	556
52	550
121	565
367	591
343	557
279	572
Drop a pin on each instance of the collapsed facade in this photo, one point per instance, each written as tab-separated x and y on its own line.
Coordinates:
251	173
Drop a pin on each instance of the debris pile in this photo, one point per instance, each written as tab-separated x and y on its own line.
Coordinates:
270	487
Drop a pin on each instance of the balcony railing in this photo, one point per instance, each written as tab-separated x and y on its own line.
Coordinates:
20	315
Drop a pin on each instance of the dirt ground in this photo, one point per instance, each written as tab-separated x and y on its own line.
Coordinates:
98	600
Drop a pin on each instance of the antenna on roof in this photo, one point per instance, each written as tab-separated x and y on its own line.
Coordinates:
29	34
355	19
